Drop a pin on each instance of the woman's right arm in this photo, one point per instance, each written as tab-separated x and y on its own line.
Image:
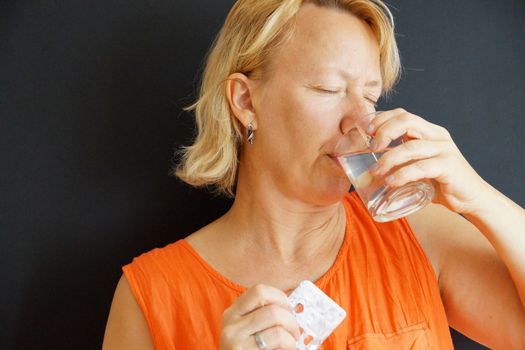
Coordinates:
126	327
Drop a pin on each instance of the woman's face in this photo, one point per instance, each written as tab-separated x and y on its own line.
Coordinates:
319	81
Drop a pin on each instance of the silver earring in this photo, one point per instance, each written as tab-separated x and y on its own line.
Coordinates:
251	133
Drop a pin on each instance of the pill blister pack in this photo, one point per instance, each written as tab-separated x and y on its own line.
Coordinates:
316	313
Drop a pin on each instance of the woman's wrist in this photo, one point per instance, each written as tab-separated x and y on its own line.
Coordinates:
486	202
493	212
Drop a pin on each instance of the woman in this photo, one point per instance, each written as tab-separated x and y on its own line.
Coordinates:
284	80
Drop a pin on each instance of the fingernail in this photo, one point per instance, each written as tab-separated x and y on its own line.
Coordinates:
370	128
373	145
390	179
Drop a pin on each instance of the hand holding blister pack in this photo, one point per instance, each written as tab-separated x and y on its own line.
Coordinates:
316	313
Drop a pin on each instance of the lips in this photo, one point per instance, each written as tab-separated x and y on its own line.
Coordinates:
334	158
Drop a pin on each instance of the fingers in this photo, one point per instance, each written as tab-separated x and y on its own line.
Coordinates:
274	338
422	169
256	297
277	338
261	309
271	316
427	153
422	156
408	151
390	125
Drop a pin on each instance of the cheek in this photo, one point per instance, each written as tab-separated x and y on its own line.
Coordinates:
311	114
282	117
296	118
315	120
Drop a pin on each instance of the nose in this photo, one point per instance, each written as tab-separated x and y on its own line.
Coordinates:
353	113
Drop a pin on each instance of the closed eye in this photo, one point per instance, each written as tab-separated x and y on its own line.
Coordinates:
373	101
323	89
327	91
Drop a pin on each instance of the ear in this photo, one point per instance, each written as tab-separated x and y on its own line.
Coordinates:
239	94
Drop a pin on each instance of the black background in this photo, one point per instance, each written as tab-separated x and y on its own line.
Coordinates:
91	97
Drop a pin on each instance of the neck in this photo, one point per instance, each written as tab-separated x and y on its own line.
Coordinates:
288	230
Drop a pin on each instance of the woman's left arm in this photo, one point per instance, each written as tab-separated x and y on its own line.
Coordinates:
502	222
480	263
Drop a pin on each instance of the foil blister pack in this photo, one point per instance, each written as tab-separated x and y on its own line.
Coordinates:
316	313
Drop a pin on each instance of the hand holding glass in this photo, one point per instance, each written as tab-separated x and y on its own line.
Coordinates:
384	203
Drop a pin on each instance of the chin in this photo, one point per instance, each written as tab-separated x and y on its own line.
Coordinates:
332	192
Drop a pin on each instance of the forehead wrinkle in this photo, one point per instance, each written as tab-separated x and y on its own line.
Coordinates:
351	77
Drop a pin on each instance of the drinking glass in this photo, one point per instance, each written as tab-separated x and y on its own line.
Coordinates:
384	202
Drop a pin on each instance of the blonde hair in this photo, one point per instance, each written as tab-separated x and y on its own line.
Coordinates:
250	34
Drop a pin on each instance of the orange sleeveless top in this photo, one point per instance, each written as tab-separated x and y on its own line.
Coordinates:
381	277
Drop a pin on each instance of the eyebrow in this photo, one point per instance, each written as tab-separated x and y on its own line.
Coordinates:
373	83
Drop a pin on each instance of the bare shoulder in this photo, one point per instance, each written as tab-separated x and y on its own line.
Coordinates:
126	327
199	238
207	240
